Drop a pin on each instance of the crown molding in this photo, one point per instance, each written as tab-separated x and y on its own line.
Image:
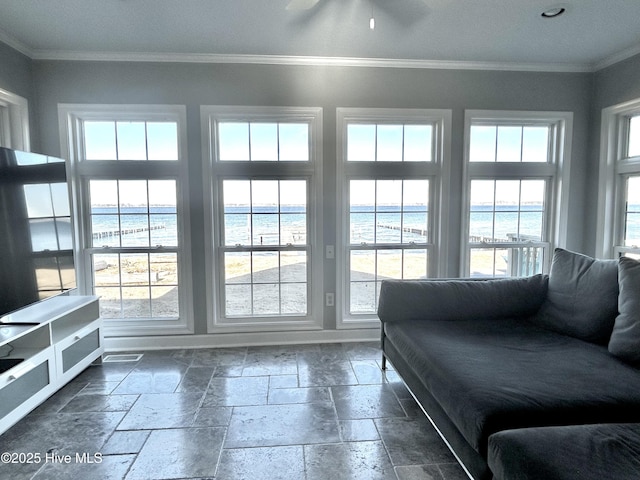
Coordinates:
618	57
63	55
16	44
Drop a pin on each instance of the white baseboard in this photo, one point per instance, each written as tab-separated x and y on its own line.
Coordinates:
168	342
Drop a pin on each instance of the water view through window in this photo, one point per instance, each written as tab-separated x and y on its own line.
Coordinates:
133	237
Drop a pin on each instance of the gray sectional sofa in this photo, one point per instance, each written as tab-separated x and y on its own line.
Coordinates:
523	377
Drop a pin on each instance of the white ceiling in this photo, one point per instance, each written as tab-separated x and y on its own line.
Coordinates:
481	33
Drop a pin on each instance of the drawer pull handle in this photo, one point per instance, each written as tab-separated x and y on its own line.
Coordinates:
76	338
12	378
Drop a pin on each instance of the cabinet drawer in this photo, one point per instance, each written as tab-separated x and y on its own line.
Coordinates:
80	349
16	391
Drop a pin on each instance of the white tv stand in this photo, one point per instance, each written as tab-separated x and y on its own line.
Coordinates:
56	339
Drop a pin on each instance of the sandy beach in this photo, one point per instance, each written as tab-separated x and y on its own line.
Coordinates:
157	280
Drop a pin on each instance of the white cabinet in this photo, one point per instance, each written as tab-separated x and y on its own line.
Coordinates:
51	342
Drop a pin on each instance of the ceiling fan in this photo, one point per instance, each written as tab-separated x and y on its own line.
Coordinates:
302	4
405	12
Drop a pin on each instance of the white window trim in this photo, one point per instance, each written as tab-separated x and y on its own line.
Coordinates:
610	194
558	170
15	122
70	118
439	169
214	171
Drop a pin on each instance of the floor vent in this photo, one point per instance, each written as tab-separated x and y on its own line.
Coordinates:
123	357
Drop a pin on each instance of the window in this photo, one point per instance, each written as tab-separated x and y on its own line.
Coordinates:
129	177
14	121
47	209
263	173
515	163
392	164
619	210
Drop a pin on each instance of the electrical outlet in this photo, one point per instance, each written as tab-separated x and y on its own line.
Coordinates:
330	252
329	299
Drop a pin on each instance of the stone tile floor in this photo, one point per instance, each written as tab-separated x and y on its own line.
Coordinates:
314	412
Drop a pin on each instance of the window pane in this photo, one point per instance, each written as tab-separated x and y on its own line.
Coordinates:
417	143
389	143
100	140
361	143
506	262
266	299
276	212
482	145
414	264
237	300
163	219
137	285
265	229
509	144
132	144
363	265
233	141
265	267
362	297
162	140
237	229
294	142
265	196
507	194
634	137
266	212
65	236
516	212
535	144
389	264
389	227
38	198
237	196
293	298
632	213
43	234
133	195
163	270
264	141
293	267
60	198
104	193
110	301
389	195
488	262
136	302
237	267
362	195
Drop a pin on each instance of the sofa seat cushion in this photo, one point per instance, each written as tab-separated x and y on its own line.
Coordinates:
581	452
498	374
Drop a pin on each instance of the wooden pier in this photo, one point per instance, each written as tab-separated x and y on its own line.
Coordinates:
125	231
417	231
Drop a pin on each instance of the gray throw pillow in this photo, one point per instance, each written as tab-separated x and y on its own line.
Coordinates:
582	298
625	338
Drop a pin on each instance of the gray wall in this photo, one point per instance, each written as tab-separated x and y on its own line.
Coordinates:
16	76
616	84
327	87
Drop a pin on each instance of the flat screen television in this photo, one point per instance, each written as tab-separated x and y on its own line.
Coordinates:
36	240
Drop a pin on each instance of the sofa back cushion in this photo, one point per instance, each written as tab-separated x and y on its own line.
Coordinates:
625	338
582	298
461	299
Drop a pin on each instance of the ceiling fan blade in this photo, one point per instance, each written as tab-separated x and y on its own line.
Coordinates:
302	4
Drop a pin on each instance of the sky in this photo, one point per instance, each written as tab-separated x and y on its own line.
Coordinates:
262	141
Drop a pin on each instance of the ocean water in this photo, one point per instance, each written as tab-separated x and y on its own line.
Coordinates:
266	227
